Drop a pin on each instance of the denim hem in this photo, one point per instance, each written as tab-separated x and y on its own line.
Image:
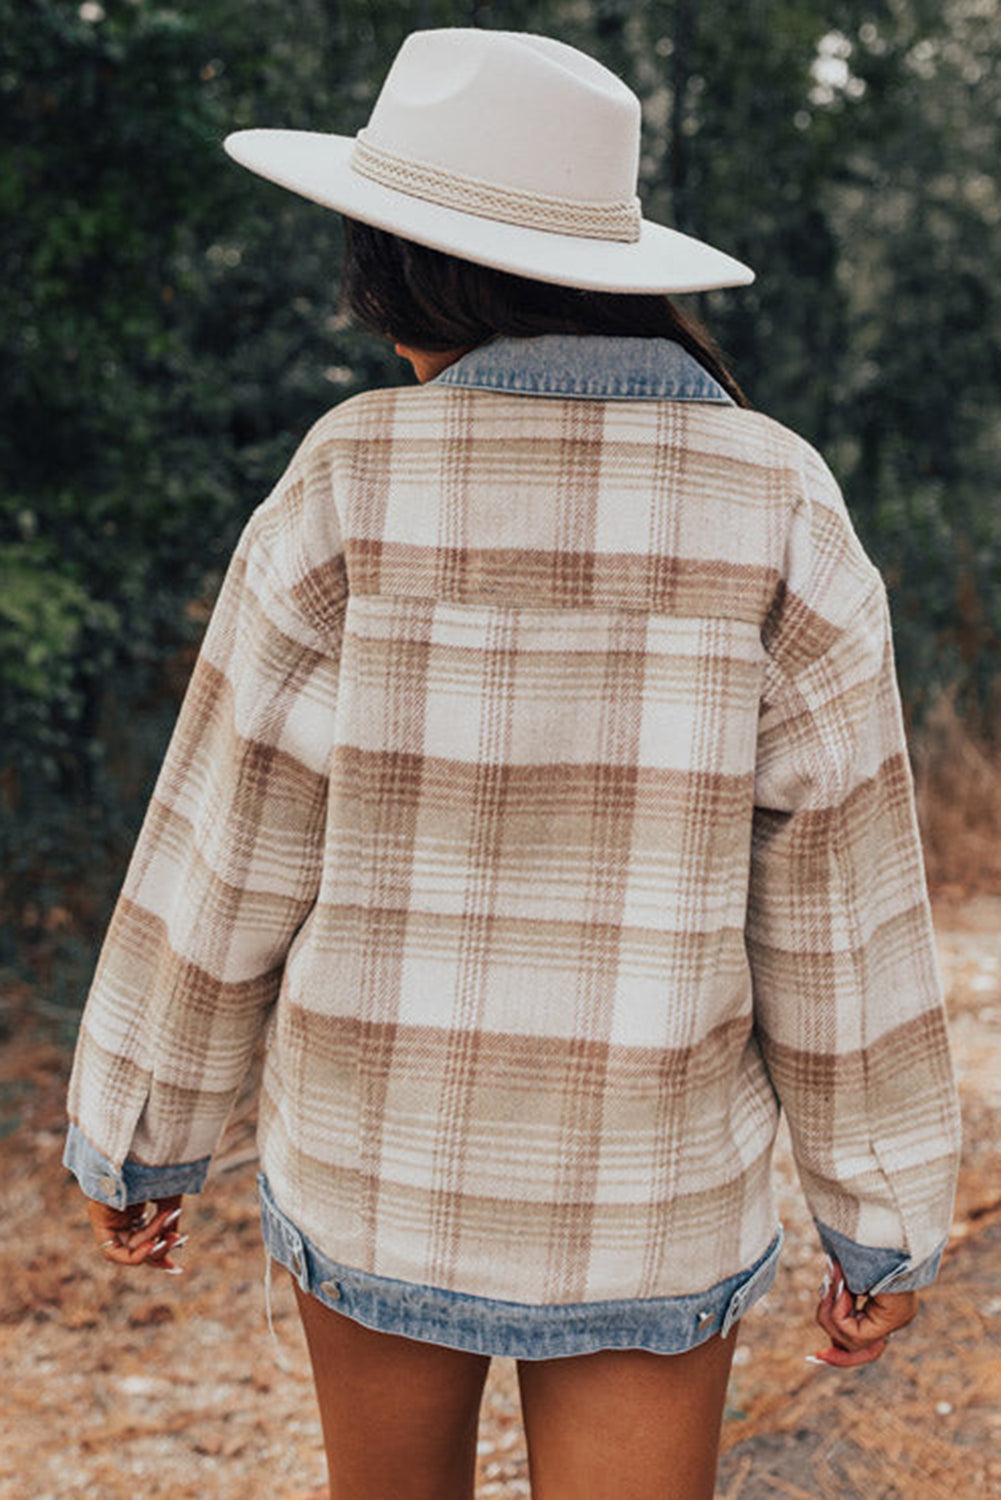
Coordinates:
513	1330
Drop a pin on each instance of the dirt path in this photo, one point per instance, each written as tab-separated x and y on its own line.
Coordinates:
119	1386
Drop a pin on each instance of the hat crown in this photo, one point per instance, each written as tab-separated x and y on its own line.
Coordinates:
526	113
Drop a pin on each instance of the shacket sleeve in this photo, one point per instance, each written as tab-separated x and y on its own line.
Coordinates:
848	1002
226	868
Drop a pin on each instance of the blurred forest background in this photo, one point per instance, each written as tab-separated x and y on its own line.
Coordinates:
169	329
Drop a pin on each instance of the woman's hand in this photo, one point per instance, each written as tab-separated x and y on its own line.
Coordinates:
129	1237
859	1326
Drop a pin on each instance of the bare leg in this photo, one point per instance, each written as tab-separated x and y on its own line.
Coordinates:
624	1424
399	1416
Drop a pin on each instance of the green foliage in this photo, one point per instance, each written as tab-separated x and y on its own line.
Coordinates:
168	324
164	330
848	151
46	620
917	209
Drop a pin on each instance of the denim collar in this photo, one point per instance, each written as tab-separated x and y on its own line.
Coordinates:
588	366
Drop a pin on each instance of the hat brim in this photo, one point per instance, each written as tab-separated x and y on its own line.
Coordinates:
317	166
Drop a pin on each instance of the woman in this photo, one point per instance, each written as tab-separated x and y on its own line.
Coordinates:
541	796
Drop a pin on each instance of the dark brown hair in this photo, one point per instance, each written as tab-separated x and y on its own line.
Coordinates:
429	300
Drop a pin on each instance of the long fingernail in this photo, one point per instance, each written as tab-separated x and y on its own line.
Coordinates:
182	1239
172	1218
815	1359
841	1287
160	1245
174	1270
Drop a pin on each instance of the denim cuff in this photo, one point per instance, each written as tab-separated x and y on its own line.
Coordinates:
870	1269
133	1182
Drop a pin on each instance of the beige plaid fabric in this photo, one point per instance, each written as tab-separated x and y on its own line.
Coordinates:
541	793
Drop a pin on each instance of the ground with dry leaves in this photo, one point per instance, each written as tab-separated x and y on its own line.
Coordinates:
120	1385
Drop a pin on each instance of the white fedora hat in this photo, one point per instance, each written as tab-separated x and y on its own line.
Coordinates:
510	150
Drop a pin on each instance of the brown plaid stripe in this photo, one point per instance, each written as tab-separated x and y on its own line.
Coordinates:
543	765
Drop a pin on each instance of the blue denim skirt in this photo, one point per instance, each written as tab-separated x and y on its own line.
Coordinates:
513	1330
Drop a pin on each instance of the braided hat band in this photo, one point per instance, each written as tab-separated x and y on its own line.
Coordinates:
600	221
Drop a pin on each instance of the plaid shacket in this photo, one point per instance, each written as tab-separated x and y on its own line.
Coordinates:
541	795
